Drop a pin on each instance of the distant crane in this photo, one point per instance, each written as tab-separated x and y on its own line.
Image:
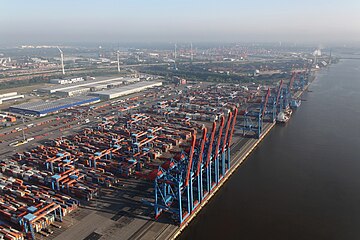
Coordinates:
293	76
248	125
279	93
265	104
62	60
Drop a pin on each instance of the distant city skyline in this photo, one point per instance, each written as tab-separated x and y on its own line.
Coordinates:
174	20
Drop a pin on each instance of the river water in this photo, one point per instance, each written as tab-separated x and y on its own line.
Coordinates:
303	181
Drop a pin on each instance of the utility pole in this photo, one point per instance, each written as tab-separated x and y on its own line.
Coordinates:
23	132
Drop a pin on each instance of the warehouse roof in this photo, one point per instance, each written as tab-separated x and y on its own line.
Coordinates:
84	83
43	107
128	87
75	89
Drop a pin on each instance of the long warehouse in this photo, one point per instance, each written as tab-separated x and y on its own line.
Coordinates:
10	96
43	108
87	84
126	90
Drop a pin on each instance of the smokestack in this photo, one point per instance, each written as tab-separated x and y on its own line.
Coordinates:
62	60
191	52
175	57
118	60
175	52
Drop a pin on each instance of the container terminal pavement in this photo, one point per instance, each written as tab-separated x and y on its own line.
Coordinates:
174	152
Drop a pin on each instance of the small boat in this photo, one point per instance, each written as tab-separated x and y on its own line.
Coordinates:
284	116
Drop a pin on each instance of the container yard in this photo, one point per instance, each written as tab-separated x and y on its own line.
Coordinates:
146	168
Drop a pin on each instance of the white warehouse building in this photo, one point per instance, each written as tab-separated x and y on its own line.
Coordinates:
73	91
126	90
85	84
67	81
10	96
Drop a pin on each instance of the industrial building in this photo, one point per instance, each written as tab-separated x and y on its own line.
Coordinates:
88	84
43	108
6	119
126	90
73	91
67	80
10	96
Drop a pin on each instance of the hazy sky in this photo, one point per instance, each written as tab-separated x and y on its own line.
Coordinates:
25	21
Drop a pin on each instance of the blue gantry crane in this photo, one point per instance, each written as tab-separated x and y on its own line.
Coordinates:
252	120
271	108
301	82
297	82
181	188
